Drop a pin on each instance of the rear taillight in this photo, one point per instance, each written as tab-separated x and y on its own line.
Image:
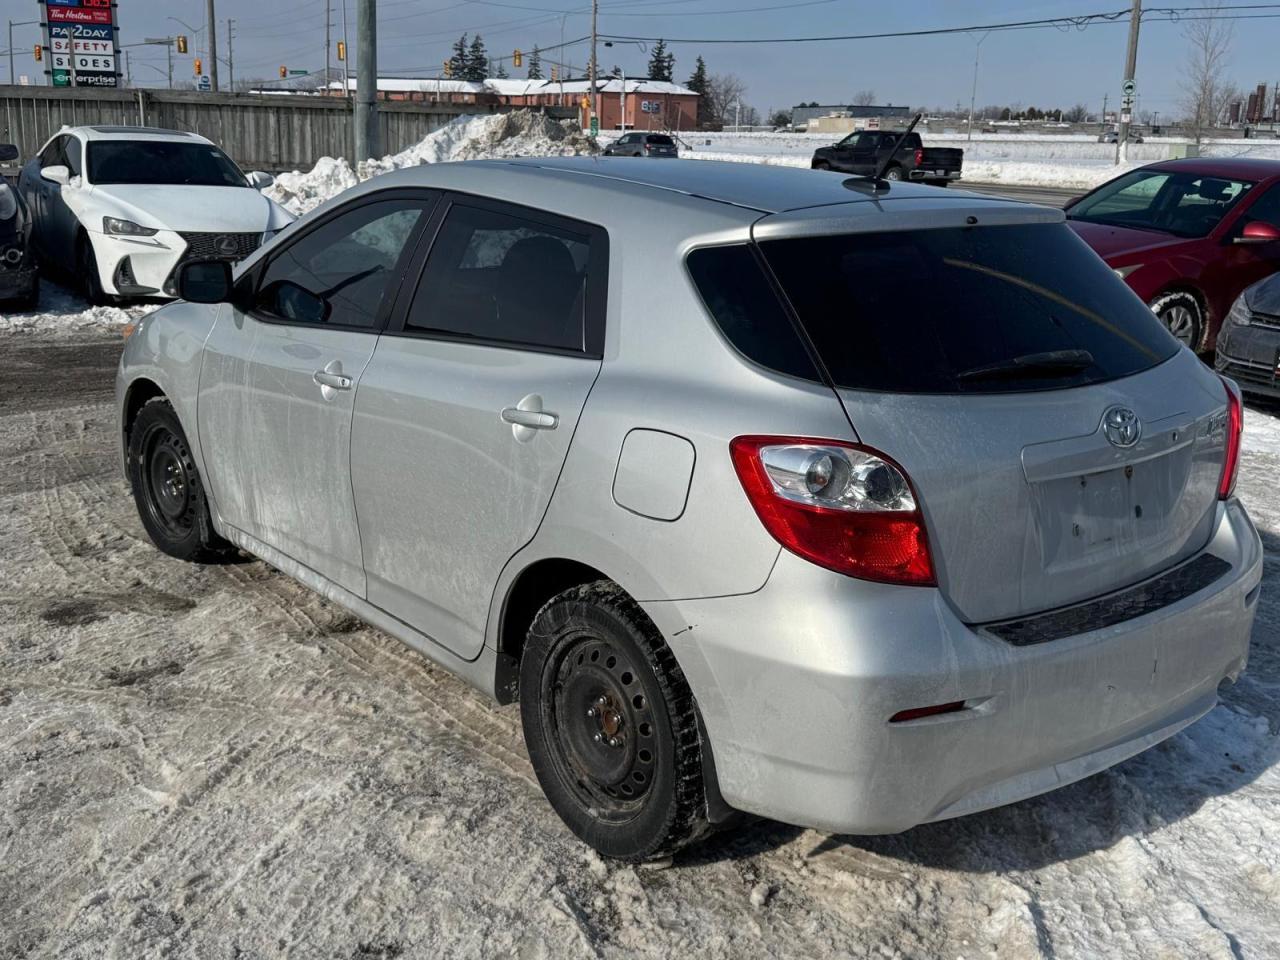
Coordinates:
919	156
1231	460
840	505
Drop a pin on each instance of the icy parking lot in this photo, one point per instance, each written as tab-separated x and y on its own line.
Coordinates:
214	762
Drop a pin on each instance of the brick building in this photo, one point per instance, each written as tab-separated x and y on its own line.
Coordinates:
642	104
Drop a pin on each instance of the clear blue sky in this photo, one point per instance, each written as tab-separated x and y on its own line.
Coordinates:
1046	67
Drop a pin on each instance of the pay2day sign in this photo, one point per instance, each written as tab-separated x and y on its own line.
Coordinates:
81	38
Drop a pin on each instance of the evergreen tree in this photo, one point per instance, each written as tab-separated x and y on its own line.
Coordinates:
698	84
500	72
661	63
477	65
535	64
458	60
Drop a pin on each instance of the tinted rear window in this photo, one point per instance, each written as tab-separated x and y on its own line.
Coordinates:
661	140
934	311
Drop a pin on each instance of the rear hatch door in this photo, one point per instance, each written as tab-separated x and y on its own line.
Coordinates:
1061	443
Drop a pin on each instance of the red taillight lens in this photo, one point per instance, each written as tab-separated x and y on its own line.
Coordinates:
919	156
1231	460
840	505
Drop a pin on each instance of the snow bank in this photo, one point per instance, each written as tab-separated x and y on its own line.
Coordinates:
61	312
519	134
1261	430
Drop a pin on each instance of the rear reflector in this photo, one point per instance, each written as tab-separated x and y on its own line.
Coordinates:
840	505
1231	459
917	712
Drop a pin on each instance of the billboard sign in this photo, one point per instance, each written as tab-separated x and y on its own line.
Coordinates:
81	37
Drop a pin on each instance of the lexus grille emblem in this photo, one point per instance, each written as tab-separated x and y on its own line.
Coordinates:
226	246
1122	426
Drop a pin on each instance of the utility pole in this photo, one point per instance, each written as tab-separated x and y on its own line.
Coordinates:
366	113
13	77
346	61
213	48
973	94
595	94
327	41
1130	67
128	72
231	56
168	51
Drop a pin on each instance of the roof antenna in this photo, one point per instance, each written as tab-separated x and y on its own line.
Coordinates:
877	178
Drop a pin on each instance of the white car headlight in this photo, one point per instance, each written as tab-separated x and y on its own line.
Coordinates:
1240	314
115	227
1123	272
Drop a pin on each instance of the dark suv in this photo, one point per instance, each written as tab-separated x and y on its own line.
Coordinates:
642	145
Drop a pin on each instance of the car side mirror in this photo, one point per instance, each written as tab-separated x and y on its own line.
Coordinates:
1072	202
1259	231
205	281
8	152
259	180
57	174
291	301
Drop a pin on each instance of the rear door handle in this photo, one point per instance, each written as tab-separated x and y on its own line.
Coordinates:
533	419
338	381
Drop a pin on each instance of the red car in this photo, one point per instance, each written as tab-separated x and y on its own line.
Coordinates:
1187	236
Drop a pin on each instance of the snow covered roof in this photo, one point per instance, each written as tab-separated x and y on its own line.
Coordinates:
517	88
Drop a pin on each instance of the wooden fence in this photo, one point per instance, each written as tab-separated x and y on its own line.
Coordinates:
260	131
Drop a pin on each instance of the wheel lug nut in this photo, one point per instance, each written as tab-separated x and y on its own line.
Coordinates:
601	701
615	742
598	737
591	711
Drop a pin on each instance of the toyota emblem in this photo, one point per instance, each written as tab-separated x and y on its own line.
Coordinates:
226	246
1122	426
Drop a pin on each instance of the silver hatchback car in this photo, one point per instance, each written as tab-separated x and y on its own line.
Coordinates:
761	490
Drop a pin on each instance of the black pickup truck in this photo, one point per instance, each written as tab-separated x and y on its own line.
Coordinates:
863	152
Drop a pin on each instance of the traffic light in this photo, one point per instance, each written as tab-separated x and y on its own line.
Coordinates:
199	66
448	68
586	103
38	53
342	50
517	59
284	72
182	45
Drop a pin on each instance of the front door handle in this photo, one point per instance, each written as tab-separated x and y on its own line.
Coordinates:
336	381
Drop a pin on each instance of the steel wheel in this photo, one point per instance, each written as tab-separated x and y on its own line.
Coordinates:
167	470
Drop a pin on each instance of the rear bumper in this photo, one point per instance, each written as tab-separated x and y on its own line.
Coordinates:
797	683
934	175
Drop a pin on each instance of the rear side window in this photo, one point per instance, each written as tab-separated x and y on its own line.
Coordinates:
992	309
739	298
497	276
661	140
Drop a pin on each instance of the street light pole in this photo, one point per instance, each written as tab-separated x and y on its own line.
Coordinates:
213	48
366	112
973	94
231	56
595	94
346	60
1130	67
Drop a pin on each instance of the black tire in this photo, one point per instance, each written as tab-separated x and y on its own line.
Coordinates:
626	779
167	488
821	165
1182	316
893	173
88	280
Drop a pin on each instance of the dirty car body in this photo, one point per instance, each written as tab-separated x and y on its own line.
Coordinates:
907	571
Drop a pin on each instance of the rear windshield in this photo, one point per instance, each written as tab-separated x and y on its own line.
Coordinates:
994	309
661	140
163	162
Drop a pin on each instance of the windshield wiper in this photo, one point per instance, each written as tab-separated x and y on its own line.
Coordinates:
1031	365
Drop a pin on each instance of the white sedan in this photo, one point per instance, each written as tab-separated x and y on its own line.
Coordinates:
120	208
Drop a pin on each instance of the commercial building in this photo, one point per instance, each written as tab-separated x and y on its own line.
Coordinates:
641	104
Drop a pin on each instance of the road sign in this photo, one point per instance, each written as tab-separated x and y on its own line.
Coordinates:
1128	87
595	126
298	73
204	83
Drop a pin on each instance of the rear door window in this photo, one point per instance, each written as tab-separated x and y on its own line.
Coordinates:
994	309
501	276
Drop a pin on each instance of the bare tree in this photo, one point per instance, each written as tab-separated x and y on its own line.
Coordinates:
1076	114
724	92
864	98
1204	86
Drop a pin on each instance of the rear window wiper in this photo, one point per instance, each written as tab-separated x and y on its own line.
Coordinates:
1031	365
